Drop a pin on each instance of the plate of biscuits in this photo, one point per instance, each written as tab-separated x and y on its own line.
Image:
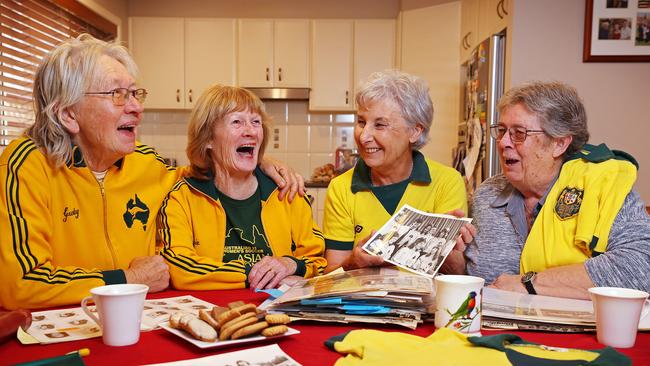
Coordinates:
224	326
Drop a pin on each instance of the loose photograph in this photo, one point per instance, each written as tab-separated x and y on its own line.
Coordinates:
615	28
617	3
642	29
416	240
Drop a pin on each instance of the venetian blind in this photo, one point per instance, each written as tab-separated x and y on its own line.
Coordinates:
29	29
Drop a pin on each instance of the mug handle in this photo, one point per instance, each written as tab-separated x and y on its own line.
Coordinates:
646	308
84	307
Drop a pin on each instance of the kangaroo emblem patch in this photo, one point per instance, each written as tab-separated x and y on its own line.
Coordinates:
136	210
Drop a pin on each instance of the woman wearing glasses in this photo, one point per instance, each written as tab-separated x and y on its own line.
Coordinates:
563	216
78	195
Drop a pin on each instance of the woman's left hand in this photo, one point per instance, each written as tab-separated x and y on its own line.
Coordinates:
268	272
287	179
455	262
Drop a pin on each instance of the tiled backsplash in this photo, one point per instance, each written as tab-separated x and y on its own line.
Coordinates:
302	139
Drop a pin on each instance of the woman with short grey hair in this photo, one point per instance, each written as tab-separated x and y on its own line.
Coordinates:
563	216
394	116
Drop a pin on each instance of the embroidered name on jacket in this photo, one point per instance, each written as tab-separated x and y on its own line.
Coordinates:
568	203
136	210
74	212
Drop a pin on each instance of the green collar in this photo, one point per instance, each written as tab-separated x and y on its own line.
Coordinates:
207	187
600	153
361	175
78	159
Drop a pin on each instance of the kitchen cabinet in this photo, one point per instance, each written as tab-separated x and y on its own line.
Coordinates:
331	69
179	58
274	53
469	36
479	20
374	48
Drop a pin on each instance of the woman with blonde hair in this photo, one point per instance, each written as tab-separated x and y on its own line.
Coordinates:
224	225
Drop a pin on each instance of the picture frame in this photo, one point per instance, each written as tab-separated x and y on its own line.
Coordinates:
616	31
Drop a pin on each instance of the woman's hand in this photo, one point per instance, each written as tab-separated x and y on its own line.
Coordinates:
268	272
286	178
455	261
509	282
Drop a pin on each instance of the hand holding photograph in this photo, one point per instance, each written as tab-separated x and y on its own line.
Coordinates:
416	240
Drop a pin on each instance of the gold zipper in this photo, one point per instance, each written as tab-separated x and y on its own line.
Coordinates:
108	239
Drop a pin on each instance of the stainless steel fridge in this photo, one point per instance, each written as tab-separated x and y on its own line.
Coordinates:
475	156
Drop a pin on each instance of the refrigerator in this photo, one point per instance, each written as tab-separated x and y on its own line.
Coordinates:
475	156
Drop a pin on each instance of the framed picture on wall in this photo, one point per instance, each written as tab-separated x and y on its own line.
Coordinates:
617	31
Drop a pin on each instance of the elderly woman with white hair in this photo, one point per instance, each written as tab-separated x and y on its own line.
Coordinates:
393	121
563	216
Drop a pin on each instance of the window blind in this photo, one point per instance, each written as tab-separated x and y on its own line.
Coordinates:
29	29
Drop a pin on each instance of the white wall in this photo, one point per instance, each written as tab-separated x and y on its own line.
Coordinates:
430	38
547	45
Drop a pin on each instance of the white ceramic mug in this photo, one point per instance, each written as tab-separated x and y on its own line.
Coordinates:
458	303
119	308
618	311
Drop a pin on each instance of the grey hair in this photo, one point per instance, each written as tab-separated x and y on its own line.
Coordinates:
411	93
60	82
558	107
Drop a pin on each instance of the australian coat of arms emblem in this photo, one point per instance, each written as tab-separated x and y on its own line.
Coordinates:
568	203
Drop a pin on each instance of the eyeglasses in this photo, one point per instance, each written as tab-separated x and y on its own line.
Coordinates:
517	134
120	95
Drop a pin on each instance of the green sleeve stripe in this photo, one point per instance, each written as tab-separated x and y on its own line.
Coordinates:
339	245
114	277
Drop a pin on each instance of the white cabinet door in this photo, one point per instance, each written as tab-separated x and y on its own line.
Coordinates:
331	71
291	53
469	36
255	64
374	48
209	55
158	49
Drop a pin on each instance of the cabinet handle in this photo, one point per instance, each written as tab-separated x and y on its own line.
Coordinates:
190	95
178	95
466	44
347	93
499	9
503	7
279	74
267	74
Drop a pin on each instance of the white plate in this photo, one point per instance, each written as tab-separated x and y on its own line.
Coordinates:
202	344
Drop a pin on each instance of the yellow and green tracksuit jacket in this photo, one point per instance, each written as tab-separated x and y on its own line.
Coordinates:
63	233
192	228
352	210
447	347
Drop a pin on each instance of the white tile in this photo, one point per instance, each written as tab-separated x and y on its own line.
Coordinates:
344	118
320	118
277	140
298	139
298	112
278	156
299	163
344	137
321	215
277	110
320	139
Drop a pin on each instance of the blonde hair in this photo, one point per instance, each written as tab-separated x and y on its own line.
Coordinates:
61	81
211	108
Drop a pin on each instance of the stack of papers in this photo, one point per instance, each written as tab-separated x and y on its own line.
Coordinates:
369	295
519	311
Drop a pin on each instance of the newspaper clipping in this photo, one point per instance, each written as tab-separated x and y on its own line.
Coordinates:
416	240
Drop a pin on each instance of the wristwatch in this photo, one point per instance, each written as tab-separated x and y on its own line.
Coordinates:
527	281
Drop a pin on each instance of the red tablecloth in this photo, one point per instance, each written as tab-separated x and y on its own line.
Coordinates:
306	347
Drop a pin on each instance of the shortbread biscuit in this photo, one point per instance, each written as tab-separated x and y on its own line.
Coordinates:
237	320
275	330
227	316
200	329
246	308
206	316
226	332
274	319
235	304
249	330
